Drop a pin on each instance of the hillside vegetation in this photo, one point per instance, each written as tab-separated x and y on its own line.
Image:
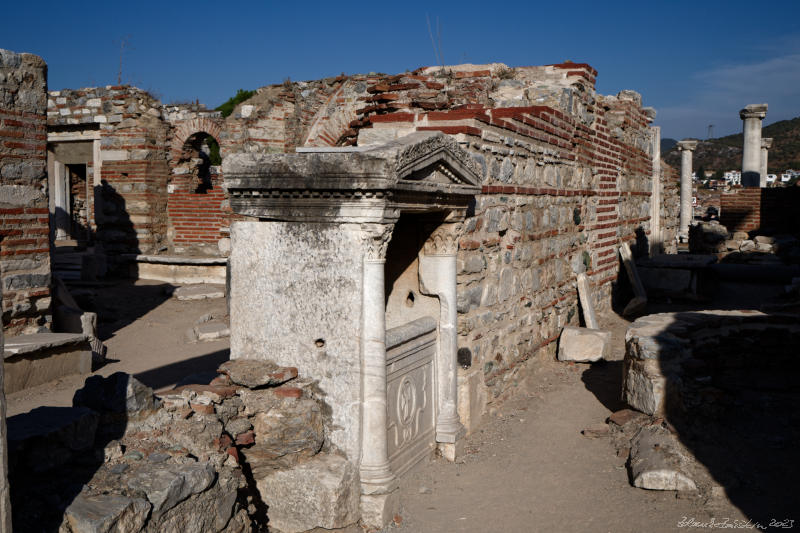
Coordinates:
725	153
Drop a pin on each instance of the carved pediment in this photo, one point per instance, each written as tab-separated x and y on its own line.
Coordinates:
421	171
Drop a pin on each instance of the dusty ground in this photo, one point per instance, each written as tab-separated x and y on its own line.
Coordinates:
530	469
144	330
527	469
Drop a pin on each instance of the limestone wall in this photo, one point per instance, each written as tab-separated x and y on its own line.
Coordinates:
24	225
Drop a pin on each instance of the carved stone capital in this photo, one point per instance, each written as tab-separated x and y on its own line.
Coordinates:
758	111
443	240
687	144
376	238
766	142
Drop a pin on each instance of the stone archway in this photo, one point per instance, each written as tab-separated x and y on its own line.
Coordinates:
184	130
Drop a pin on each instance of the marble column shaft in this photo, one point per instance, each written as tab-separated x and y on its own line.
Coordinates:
766	144
375	471
686	147
752	115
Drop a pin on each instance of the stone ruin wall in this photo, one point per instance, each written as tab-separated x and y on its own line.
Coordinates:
567	178
24	223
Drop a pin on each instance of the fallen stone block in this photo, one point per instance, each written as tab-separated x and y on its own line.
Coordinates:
295	428
254	373
106	513
583	345
31	360
657	462
211	331
321	492
203	291
167	485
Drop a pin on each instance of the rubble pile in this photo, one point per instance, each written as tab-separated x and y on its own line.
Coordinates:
740	246
125	460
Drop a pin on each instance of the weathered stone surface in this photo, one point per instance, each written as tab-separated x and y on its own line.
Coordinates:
118	393
321	492
586	299
167	485
211	331
584	345
657	461
294	428
207	510
203	291
253	373
105	513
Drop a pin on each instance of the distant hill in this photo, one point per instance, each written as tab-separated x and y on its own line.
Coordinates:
725	153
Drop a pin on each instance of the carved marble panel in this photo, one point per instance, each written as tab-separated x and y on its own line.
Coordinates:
410	349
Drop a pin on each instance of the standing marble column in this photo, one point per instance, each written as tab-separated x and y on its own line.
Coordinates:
686	147
752	115
437	272
656	240
766	144
376	474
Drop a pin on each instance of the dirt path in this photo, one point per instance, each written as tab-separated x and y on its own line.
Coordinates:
529	468
144	330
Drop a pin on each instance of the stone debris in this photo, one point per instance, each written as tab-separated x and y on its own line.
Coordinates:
202	291
106	512
586	298
322	492
639	303
125	460
256	373
212	331
657	461
596	431
583	345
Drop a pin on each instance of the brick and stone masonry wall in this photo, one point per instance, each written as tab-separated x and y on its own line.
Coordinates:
24	221
567	178
753	208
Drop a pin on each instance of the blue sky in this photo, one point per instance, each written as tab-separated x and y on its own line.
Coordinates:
696	62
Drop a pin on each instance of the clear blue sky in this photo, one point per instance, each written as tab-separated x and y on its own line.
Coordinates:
696	62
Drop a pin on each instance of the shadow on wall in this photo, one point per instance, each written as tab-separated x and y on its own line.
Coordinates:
733	405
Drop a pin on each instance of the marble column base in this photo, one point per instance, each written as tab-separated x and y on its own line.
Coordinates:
452	450
378	510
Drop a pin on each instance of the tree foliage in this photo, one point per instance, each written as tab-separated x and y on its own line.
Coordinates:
228	107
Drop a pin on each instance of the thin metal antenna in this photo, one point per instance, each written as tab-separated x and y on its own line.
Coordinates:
122	44
433	43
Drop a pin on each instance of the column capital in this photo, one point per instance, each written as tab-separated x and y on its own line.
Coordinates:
376	238
766	142
687	144
443	240
758	111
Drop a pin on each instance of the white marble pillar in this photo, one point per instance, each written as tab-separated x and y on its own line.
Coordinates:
752	115
376	475
61	211
437	272
686	147
766	144
656	240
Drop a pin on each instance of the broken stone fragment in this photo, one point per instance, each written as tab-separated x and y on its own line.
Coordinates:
657	462
584	345
254	373
167	485
105	513
294	428
321	492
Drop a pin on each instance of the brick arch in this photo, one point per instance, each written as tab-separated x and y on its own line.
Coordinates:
332	121
184	130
